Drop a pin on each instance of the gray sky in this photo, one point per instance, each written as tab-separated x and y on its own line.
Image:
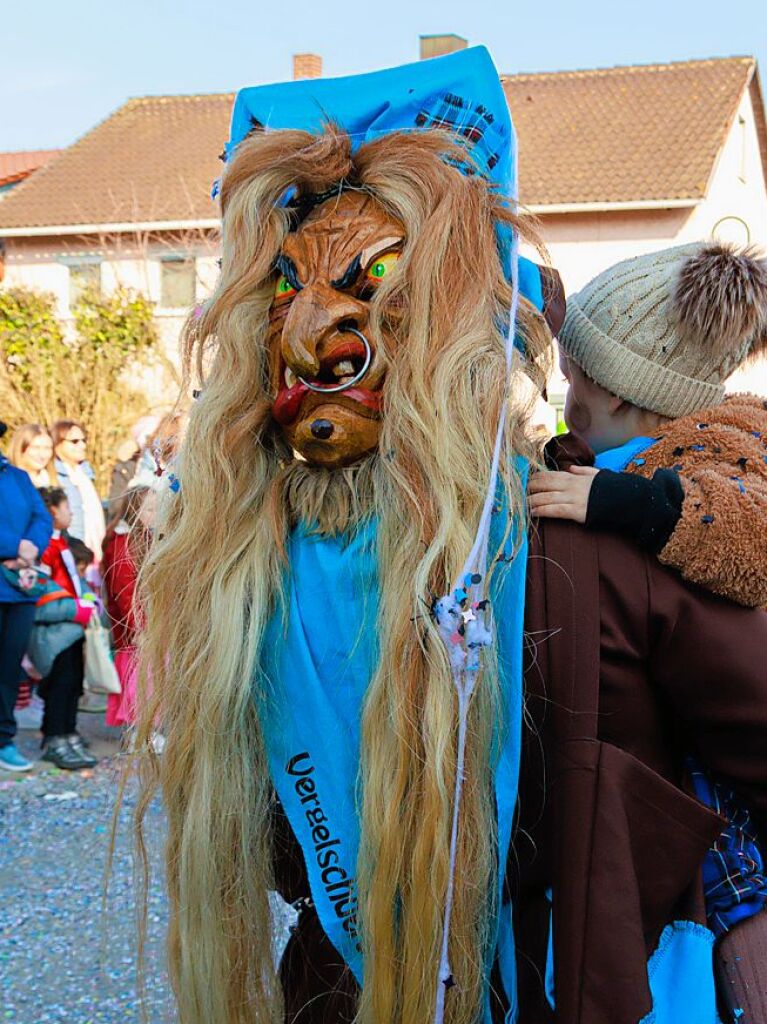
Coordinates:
66	66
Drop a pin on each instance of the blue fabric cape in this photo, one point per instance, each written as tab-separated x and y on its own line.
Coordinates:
317	664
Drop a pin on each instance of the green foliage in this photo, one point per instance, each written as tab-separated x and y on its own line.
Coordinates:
24	313
31	338
89	371
561	425
119	325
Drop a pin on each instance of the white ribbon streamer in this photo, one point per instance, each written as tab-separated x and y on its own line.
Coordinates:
478	632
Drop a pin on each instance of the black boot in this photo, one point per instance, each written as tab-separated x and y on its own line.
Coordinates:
78	744
83	739
59	752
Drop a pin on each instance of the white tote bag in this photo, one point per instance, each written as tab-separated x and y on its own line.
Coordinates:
100	672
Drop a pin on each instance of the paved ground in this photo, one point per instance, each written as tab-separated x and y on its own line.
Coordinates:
65	958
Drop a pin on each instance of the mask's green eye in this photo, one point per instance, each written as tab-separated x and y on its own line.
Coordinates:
382	266
283	289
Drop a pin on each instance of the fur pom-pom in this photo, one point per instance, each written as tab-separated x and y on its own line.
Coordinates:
720	300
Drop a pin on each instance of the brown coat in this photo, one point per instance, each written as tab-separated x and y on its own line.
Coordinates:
636	671
720	541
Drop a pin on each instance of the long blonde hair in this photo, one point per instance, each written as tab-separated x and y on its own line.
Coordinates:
207	602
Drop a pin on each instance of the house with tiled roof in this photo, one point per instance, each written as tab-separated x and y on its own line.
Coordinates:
127	205
628	160
17	167
613	162
643	156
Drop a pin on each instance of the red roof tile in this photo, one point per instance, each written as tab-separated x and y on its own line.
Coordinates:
17	166
153	160
625	135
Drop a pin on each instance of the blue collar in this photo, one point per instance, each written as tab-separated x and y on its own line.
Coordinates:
618	459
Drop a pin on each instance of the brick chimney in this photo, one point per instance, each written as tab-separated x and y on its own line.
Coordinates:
307	65
438	46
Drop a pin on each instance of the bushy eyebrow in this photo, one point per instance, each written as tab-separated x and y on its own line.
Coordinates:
372	252
286	266
350	275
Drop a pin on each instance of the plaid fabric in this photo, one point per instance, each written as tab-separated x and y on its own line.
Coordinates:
734	881
474	124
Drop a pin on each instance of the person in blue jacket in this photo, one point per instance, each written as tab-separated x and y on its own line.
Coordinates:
25	529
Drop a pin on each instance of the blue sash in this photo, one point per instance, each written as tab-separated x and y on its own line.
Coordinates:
680	974
317	662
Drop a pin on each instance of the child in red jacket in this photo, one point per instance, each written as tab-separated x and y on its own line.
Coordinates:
125	546
57	556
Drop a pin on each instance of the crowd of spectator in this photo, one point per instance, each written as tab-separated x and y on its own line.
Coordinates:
69	562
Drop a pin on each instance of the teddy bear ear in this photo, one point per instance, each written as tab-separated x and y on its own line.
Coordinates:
720	299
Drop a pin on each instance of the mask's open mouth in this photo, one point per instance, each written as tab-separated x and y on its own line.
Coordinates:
337	369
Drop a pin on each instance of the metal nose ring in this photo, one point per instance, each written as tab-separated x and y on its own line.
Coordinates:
329	389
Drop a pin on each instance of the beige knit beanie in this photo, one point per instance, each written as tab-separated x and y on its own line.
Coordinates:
664	331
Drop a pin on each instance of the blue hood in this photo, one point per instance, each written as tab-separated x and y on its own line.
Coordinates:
461	92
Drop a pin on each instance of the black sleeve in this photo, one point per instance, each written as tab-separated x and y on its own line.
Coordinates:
646	511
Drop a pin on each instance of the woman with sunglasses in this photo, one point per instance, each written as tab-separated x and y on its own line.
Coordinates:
76	478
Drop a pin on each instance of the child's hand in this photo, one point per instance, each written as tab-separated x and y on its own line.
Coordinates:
562	495
28	552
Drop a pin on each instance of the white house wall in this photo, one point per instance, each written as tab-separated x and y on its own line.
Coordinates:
737	203
207	275
39	270
582	244
737	195
43	265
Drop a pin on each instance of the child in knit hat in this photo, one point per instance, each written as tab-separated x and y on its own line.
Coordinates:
647	346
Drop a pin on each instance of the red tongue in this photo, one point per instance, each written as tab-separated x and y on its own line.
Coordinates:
288	402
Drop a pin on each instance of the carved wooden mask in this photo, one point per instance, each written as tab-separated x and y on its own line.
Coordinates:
329	270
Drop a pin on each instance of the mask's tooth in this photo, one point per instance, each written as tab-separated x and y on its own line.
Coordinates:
290	377
344	368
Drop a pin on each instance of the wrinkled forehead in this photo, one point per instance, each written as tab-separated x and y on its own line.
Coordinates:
343	228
